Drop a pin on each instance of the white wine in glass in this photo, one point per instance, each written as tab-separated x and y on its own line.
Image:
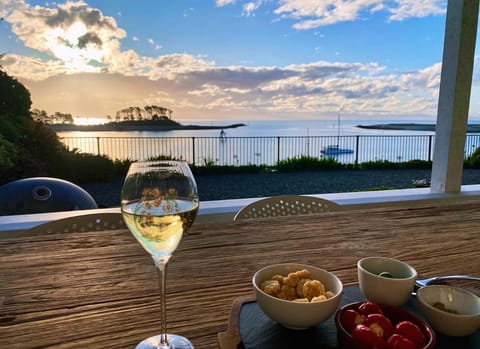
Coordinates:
159	203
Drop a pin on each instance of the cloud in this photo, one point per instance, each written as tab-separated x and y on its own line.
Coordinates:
78	58
309	14
228	92
9	6
73	32
426	78
250	7
221	3
174	66
89	38
32	68
321	13
417	8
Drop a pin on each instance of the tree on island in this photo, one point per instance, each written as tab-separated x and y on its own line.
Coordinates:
149	112
55	118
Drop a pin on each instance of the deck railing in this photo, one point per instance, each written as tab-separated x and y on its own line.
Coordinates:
263	150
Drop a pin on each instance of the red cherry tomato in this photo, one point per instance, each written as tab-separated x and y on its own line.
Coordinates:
364	337
380	324
367	308
411	331
350	318
397	341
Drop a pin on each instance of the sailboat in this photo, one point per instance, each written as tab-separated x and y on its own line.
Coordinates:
333	150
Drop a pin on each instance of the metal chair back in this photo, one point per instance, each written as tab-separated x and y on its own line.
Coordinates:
79	223
286	205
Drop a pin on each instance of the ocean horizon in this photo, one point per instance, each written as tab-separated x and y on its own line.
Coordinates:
265	128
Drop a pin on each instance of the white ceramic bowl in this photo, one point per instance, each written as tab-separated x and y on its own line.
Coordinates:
465	304
394	290
295	315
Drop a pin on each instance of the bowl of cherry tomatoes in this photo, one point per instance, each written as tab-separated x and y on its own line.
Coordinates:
368	325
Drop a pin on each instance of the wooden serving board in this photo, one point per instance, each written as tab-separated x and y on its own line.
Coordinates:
250	328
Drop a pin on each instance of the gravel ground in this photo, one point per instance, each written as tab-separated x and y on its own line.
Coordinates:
218	187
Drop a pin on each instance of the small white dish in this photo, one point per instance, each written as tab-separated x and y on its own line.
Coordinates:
394	290
461	309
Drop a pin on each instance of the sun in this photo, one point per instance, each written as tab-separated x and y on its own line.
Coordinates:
63	43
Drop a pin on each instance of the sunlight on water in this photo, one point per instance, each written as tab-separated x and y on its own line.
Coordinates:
89	121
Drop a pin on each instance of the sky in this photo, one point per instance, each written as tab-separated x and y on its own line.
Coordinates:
230	59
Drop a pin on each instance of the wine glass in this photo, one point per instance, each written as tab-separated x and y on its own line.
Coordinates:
159	202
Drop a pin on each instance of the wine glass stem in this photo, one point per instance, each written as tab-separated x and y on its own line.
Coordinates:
162	277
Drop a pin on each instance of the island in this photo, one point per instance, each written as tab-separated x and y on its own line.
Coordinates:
162	124
471	128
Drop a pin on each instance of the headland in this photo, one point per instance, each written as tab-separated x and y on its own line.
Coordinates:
139	125
471	128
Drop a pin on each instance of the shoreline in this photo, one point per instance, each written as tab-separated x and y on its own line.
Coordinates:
472	128
136	127
150	126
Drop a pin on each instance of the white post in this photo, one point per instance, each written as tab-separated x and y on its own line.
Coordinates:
454	98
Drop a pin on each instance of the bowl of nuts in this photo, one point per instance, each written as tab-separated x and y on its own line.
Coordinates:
297	296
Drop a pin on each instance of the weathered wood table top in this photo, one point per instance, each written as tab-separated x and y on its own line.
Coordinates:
100	289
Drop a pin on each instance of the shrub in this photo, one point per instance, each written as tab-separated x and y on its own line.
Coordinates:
14	97
308	163
218	169
473	161
121	167
418	164
163	157
8	154
85	168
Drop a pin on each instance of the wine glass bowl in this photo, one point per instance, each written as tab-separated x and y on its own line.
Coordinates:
159	202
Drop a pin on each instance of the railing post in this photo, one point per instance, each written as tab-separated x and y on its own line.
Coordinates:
193	151
357	141
278	149
134	147
430	148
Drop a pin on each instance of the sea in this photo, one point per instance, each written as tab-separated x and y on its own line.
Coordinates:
266	128
245	145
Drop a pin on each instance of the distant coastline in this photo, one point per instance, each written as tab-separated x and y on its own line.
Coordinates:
145	125
471	128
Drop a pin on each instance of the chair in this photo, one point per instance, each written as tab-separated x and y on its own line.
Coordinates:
285	205
79	223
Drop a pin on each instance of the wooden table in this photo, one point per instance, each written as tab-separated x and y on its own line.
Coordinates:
100	290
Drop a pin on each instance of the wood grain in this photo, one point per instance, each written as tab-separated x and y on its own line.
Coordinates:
100	289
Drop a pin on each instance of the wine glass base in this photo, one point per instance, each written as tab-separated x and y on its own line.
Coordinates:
175	342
